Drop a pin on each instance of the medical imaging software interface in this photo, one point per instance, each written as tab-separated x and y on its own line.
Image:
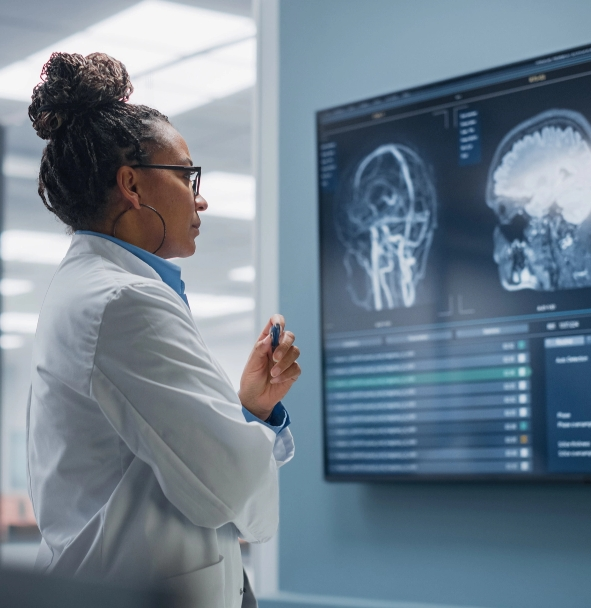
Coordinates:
455	237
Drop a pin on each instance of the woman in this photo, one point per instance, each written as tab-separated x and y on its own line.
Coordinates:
144	464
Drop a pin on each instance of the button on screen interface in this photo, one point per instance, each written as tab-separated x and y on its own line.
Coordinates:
455	240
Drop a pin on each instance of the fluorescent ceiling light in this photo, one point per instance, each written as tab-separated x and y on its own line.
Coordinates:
11	341
199	80
23	167
244	274
33	247
229	195
15	287
178	56
18	322
207	306
203	306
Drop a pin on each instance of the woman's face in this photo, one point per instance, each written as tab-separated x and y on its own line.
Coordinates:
170	192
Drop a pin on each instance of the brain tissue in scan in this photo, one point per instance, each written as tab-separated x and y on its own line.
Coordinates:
539	187
386	220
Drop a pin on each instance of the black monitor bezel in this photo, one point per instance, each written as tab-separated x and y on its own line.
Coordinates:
545	63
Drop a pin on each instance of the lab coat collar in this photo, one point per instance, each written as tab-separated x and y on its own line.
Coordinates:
84	244
170	273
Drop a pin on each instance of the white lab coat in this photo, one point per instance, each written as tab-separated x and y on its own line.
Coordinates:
141	464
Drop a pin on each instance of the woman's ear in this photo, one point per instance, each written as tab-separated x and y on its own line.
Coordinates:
127	178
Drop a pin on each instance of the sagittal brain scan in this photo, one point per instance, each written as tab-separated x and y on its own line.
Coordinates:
539	187
386	224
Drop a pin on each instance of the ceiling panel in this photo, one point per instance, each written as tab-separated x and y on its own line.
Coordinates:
219	134
30	25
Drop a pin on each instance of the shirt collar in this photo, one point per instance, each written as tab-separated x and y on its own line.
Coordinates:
169	273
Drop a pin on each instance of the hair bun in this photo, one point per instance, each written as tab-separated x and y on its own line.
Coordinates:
74	85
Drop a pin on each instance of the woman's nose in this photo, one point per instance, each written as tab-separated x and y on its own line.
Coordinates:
200	203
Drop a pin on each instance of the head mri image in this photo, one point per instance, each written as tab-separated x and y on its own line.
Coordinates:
386	219
539	187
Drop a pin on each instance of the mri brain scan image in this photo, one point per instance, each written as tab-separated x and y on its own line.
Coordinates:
386	220
539	187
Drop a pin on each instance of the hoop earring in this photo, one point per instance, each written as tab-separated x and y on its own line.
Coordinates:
147	207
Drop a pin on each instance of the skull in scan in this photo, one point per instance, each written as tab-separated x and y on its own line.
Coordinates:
539	186
386	221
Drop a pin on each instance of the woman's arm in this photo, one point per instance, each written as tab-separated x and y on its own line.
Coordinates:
165	396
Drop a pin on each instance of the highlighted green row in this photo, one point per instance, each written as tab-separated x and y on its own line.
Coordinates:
460	375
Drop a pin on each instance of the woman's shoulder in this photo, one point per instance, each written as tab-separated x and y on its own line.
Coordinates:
96	274
90	279
89	292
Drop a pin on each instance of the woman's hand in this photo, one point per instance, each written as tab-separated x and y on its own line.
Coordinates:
268	376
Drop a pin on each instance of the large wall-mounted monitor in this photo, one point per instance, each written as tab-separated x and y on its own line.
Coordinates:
455	239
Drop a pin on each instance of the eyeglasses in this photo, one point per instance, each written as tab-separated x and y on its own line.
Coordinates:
195	173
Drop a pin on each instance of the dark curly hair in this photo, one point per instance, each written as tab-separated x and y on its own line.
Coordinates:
80	106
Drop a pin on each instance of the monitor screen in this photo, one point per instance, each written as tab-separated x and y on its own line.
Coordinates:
455	252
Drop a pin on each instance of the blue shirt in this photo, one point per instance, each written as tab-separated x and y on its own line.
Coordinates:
171	275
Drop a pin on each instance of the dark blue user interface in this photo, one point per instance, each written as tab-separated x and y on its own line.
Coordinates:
455	250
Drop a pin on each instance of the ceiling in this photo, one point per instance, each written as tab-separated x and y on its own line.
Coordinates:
27	26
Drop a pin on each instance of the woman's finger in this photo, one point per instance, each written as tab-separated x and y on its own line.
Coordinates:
290	356
285	342
292	373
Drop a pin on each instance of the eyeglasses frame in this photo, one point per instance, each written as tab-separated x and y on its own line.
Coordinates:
196	170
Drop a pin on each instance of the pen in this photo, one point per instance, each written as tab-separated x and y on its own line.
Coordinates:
275	331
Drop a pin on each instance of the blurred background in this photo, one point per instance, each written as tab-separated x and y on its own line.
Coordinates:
194	60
